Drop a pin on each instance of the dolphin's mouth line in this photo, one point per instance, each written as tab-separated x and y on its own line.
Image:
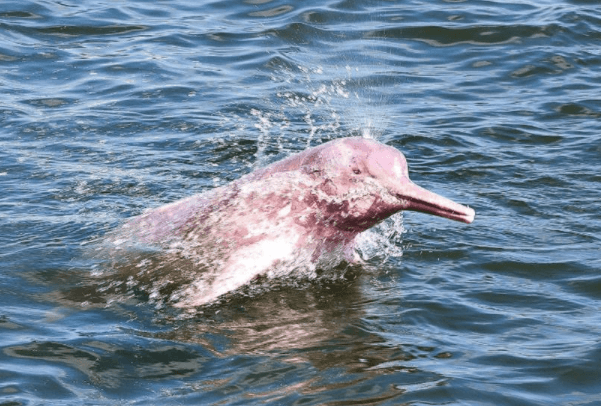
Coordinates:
465	215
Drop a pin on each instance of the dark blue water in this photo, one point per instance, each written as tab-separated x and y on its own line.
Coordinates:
111	107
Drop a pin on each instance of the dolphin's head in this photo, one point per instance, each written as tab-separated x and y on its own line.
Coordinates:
366	181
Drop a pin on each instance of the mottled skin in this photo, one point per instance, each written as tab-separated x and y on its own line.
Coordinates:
304	210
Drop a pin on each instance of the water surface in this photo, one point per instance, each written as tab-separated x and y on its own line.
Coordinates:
111	107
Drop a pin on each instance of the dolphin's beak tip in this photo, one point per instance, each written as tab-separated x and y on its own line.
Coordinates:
470	215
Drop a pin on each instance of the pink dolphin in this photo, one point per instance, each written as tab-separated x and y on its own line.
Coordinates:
303	211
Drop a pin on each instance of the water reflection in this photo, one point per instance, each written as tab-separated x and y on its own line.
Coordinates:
263	337
279	320
269	315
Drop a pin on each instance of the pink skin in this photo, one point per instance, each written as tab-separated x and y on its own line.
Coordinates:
349	162
309	204
353	184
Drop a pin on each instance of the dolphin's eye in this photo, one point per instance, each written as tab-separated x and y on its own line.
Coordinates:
357	171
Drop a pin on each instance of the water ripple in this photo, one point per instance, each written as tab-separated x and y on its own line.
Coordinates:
110	108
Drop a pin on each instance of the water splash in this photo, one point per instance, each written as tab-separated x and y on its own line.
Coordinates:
382	241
